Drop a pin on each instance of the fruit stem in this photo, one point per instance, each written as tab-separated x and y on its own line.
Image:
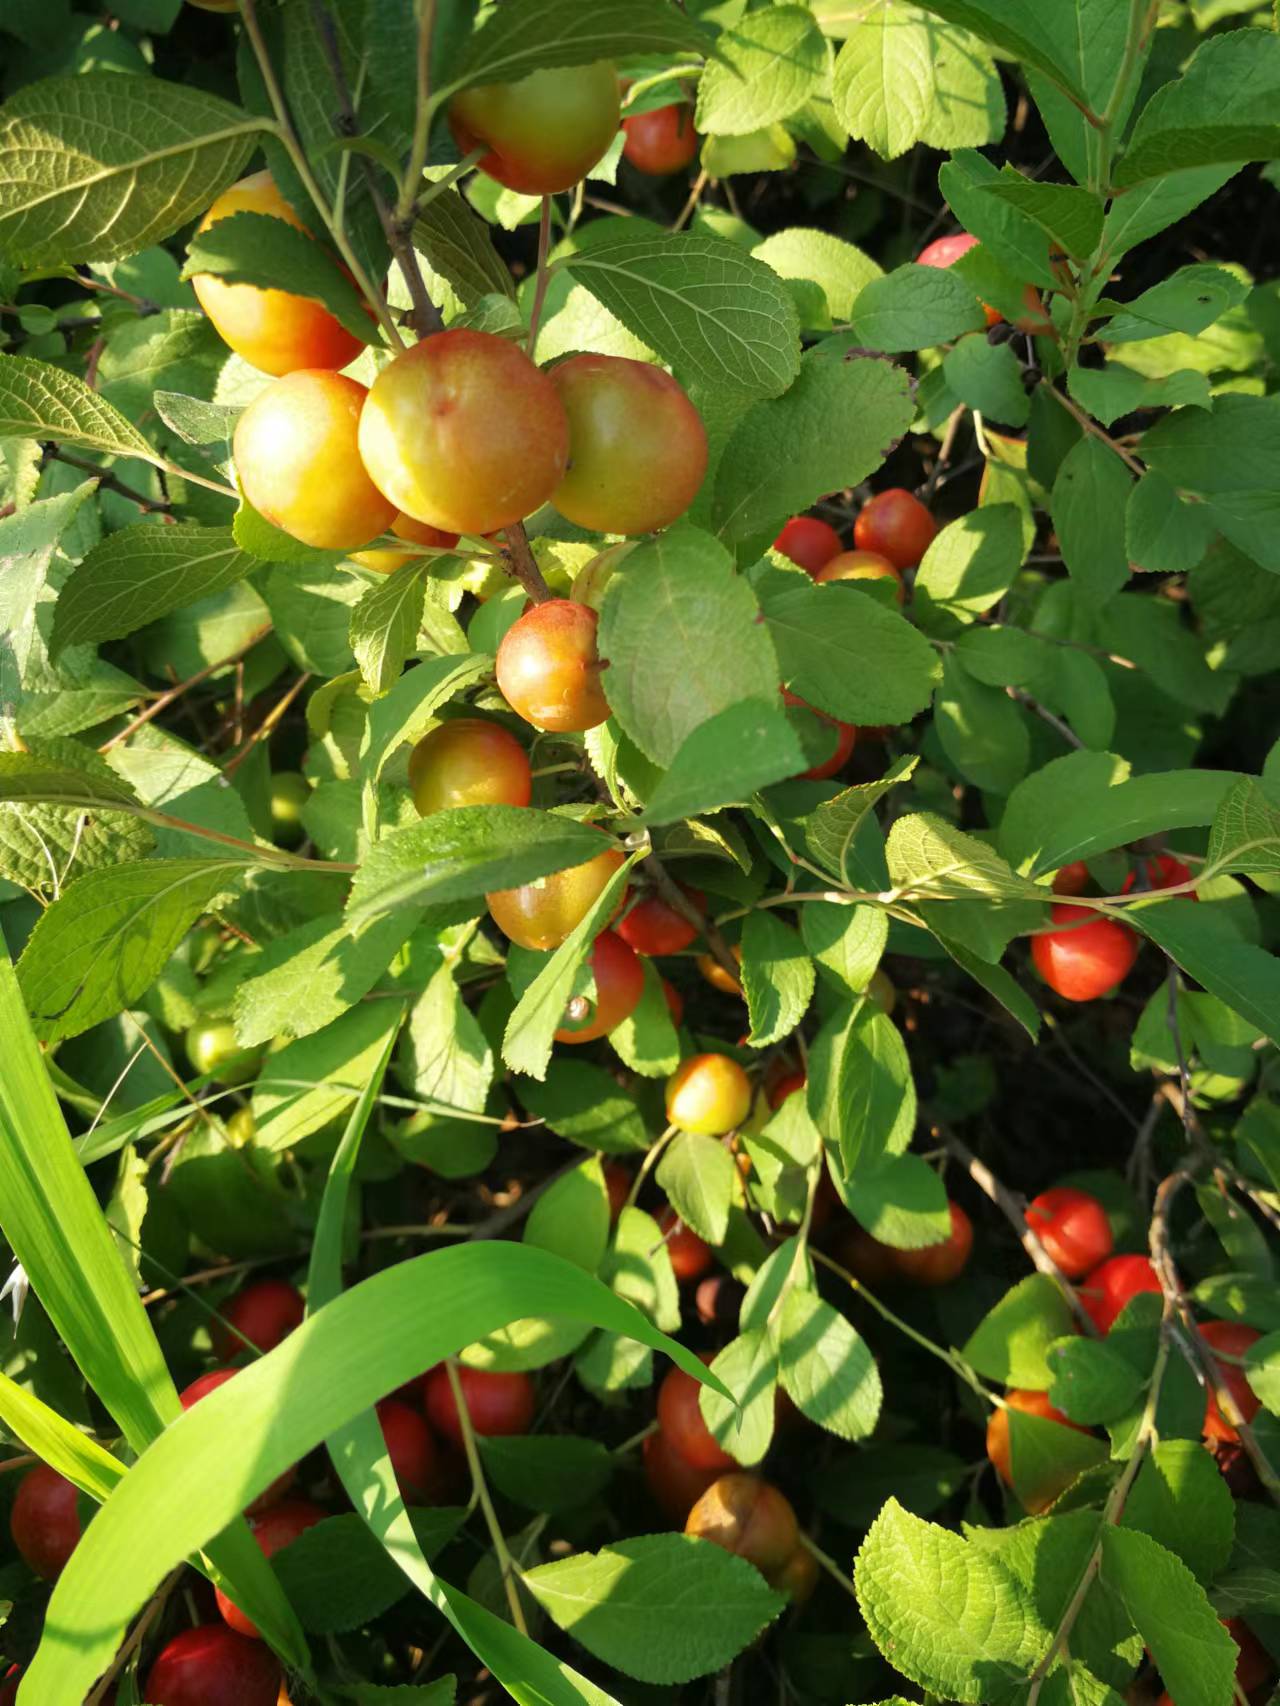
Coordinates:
648	1164
827	1563
412	181
480	1494
288	140
519	562
540	284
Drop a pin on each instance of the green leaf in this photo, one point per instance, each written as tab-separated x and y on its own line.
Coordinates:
932	859
724	760
64	773
854	1485
846	942
138	574
1192	1650
640	1605
826	1368
582	1102
639	1269
1089	500
766	67
571	1218
307	977
777	977
699	1177
724	321
528	1038
237	1440
339	1577
845	652
447	1057
1225	457
969	566
860	1091
99	166
681	641
901	1202
902	78
1092	1381
951	1618
1016	241
1245	977
1011	1342
457	246
317	1078
1115	390
1086	803
1262	1369
646	1041
260	249
1181	1500
1245	834
1045	1457
748	1366
1072	217
102	942
1186	123
839	269
831	829
407	711
463	854
1164	534
40	401
1158	204
385	624
555	1473
988	378
1187	301
982	731
1046	39
536	34
838	419
914	307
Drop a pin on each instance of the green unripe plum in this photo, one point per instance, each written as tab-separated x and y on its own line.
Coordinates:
290	791
462	431
212	1047
299	464
468	761
543	133
637	446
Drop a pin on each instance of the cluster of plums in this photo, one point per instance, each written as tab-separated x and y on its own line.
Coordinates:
1093	956
225	1663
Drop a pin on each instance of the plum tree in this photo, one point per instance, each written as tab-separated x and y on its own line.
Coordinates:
468	761
212	1665
1073	1227
273	330
298	463
1105	1291
496	1403
809	542
862	566
544	132
652	926
897	526
708	1093
662	140
541	914
264	1313
619	981
549	670
463	432
939	1264
637	446
1089	959
45	1521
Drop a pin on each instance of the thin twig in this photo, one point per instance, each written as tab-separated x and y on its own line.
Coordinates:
265	727
137	1635
110	482
408	197
167	698
1091	426
1046	716
676	898
480	1488
540	283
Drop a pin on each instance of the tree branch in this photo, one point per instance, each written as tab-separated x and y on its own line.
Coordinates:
519	562
110	482
679	902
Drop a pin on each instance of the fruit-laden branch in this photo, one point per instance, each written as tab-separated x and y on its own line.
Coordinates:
1015	1212
520	563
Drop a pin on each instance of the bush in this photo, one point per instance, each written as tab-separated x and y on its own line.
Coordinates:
638	851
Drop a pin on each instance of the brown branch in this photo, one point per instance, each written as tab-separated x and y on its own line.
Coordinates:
1014	1211
424	317
519	562
110	482
167	698
265	727
136	1637
679	901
